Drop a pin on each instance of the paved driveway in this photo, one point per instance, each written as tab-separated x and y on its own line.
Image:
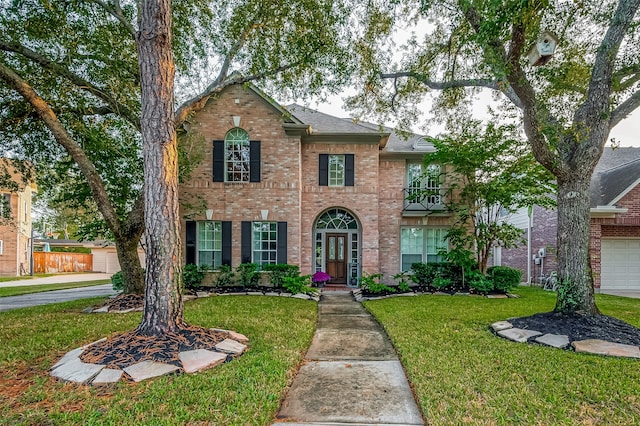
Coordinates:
47	297
58	279
624	293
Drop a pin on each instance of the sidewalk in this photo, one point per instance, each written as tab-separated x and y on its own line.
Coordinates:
58	279
351	374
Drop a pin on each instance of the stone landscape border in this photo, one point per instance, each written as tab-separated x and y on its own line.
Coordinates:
506	330
71	369
357	294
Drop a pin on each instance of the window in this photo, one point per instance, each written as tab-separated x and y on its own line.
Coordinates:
237	155
209	244
423	186
336	170
1	247
5	206
236	158
421	245
265	242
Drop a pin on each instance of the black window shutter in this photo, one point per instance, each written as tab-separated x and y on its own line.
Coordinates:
349	169
226	242
218	161
245	242
190	244
254	161
282	243
323	167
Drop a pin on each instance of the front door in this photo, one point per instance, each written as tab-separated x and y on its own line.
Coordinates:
336	249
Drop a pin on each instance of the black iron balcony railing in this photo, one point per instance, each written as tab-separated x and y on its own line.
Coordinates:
423	200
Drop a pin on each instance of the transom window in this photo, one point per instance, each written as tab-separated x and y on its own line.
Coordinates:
209	244
421	245
237	155
336	170
265	242
337	219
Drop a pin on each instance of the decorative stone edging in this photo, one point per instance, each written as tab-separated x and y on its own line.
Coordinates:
357	294
560	341
71	369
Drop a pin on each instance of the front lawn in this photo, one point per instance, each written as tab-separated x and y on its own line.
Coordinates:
463	374
245	391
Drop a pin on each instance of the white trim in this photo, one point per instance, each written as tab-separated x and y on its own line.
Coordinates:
607	211
1	247
625	192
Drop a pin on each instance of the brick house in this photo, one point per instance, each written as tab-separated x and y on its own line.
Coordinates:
615	225
15	227
293	185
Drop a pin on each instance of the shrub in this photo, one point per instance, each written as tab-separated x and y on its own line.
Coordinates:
441	282
298	284
278	271
504	278
479	282
437	275
403	281
192	276
117	281
370	283
249	275
224	278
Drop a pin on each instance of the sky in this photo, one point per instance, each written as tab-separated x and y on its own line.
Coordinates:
626	133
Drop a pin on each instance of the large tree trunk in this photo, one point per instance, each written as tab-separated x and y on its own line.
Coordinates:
163	310
575	293
132	271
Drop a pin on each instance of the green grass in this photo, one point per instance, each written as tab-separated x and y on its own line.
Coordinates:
245	391
463	374
28	289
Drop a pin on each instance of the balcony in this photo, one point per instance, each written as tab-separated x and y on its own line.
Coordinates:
423	202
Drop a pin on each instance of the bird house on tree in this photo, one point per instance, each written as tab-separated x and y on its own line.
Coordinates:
543	49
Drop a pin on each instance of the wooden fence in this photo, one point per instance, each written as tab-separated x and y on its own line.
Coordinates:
50	262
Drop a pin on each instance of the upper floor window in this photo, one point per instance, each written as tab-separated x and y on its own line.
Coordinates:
236	158
423	185
336	170
237	155
5	206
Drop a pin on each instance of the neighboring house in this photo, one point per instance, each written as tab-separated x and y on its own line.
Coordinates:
615	220
15	228
615	225
293	185
536	258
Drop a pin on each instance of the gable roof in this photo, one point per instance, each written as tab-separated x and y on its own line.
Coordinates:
397	142
617	172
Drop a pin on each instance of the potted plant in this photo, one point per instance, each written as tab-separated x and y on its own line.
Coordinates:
320	279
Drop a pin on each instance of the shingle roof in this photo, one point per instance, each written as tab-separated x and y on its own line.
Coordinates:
325	123
617	169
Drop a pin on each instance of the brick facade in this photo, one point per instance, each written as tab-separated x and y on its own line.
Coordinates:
289	186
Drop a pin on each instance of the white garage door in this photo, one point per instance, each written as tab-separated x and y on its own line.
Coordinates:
620	264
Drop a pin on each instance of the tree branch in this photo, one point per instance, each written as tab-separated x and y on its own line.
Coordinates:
116	12
81	83
50	119
624	109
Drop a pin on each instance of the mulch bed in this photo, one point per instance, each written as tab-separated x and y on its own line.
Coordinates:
124	302
581	327
132	347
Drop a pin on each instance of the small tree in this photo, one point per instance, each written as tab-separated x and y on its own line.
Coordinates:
490	173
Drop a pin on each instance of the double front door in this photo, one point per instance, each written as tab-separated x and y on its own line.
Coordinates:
336	257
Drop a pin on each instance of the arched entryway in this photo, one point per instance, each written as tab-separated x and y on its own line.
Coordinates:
338	246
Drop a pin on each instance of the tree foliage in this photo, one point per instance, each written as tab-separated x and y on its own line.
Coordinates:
70	92
489	174
566	107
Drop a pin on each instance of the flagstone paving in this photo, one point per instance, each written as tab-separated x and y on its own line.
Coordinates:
560	341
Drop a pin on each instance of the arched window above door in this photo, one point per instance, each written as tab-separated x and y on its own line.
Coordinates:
337	219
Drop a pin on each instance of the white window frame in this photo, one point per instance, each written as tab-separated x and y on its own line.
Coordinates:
211	245
237	156
420	180
429	248
336	170
264	250
1	247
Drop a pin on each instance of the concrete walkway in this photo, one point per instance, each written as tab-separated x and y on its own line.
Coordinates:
351	374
